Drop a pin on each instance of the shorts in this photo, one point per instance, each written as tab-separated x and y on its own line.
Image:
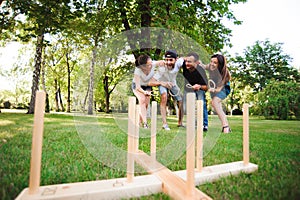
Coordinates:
222	94
148	88
175	92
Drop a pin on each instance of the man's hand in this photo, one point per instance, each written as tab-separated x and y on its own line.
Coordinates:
168	85
196	87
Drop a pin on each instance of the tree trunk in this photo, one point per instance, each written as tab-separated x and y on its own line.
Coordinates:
36	72
56	96
106	87
91	89
47	106
60	100
69	85
85	97
144	8
107	96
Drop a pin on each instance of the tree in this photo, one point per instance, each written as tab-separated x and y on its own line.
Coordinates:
202	21
70	60
55	70
41	17
111	78
93	28
262	63
60	61
8	20
279	100
17	75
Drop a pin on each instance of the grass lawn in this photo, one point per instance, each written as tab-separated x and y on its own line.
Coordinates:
74	146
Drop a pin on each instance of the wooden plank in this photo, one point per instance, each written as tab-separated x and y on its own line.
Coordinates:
130	140
141	185
173	185
246	134
153	128
212	173
37	142
97	190
137	128
199	156
190	143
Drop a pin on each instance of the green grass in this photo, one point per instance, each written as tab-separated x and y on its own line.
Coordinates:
73	153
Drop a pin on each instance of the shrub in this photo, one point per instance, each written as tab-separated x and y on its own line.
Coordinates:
280	100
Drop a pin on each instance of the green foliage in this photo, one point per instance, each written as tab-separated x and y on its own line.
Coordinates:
279	100
262	63
7	22
258	75
202	21
112	76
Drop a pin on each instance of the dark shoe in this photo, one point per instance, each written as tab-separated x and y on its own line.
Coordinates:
145	125
205	128
181	125
225	127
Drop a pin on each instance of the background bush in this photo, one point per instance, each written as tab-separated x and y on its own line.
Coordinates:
279	100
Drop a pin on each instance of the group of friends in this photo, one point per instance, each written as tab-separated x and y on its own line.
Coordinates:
163	73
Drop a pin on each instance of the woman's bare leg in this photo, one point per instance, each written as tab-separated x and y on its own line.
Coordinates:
217	105
143	102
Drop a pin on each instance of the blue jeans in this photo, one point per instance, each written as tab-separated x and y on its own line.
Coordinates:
200	95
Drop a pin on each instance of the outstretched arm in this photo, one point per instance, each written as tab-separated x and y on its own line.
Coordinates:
197	87
206	67
154	82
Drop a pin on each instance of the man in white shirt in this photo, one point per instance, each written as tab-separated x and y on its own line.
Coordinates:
168	73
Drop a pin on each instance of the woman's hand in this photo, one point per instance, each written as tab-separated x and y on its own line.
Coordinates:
213	90
147	93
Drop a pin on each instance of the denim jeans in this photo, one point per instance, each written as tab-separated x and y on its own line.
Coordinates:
200	95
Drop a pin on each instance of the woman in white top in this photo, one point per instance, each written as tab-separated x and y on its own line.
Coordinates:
142	75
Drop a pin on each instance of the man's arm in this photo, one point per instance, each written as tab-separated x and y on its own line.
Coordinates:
197	87
154	82
203	65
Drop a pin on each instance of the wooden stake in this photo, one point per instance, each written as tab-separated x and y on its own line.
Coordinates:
199	135
246	134
130	140
137	128
37	142
190	143
153	128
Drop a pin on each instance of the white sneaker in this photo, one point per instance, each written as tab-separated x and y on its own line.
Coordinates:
166	127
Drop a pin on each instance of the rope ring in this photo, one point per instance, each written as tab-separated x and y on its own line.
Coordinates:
211	84
189	86
173	95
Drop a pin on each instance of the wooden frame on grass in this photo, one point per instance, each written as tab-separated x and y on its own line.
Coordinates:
178	184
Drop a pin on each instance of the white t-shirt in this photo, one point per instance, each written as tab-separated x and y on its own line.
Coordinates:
144	79
166	75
